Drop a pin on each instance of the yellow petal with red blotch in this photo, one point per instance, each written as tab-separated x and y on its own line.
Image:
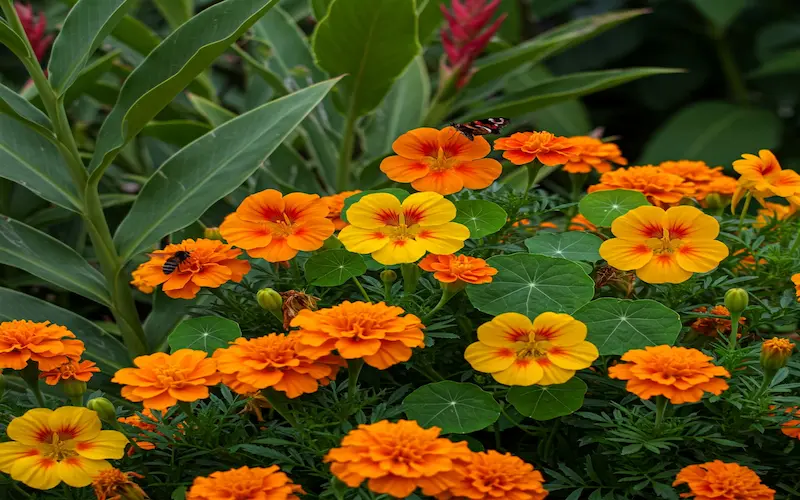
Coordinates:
37	472
663	268
399	252
32	428
489	359
559	329
418	143
454	143
76	422
363	240
244	234
309	234
444	239
78	471
428	209
574	357
478	174
12	451
212	275
701	256
686	222
625	254
261	207
505	329
522	372
640	223
375	211
401	169
443	182
553	374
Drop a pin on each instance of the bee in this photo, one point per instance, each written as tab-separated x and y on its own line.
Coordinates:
176	260
481	127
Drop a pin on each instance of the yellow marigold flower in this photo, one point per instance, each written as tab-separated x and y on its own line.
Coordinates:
774	211
660	188
664	246
593	154
722	481
524	147
461	268
113	484
397	458
796	281
517	351
397	233
266	483
682	375
139	282
50	346
763	176
714	327
51	446
491	475
335	205
775	353
71	370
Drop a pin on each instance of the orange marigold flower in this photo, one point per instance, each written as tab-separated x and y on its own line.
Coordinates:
275	228
660	188
147	425
160	380
664	246
397	458
775	353
722	185
763	176
722	481
442	161
113	484
714	327
593	154
461	268
774	211
581	223
796	281
491	475
266	483
139	282
335	205
547	225
375	332
210	264
71	370
791	427
273	361
699	174
682	375
524	147
747	263
50	346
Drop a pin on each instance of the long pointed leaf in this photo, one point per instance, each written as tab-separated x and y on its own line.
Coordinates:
21	109
176	12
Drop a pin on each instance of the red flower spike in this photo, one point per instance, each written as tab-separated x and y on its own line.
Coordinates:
35	27
467	34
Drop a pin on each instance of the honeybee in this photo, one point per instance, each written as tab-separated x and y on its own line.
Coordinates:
173	262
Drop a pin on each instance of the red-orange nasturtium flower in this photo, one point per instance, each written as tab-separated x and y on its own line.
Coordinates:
682	375
442	161
51	446
492	475
249	365
397	458
660	188
791	427
524	147
275	228
335	204
210	264
398	233
113	484
374	332
593	154
722	481
49	345
160	380
458	268
517	351
763	176
796	281
664	246
257	483
71	370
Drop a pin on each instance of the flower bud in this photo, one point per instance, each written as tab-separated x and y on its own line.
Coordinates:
270	300
212	233
332	243
715	201
388	276
104	408
73	388
736	300
775	353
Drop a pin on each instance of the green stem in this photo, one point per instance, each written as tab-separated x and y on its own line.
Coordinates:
733	76
76	400
744	211
551	438
354	367
447	294
769	375
361	289
734	337
410	274
387	289
661	408
30	374
20	490
346	150
533	172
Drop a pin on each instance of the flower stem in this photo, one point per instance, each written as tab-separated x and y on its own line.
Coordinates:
768	377
30	374
410	274
354	367
447	294
744	211
387	289
732	340
661	407
533	172
361	289
279	403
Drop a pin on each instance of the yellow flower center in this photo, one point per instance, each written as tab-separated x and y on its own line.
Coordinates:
58	449
664	244
403	232
281	228
442	161
533	348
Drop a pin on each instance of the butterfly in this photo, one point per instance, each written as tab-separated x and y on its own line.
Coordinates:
481	127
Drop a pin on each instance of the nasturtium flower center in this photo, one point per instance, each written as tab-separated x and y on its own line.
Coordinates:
442	161
665	244
533	349
59	447
280	226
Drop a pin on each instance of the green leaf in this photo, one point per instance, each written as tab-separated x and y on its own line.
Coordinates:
544	402
42	255
532	284
560	89
207	333
567	118
482	218
721	13
19	108
452	406
616	325
348	202
176	132
430	18
214	113
169	69
714	132
372	42
101	347
11	40
176	12
334	268
319	8
86	26
205	171
602	207
136	35
90	76
165	315
785	62
572	245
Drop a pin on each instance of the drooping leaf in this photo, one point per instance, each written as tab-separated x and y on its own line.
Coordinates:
454	407
602	207
617	325
572	245
90	76
187	184
176	12
214	113
11	40
334	268
176	132
348	202
481	217
207	333
543	402
532	284
19	108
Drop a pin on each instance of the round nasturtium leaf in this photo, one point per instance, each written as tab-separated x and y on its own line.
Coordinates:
532	284
482	218
455	407
616	325
572	245
348	202
207	333
543	402
602	207
334	267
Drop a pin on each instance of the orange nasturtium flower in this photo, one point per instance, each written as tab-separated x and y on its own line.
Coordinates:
774	211
682	375
265	483
593	154
791	427
210	264
796	281
492	475
442	161
160	380
275	228
714	327
517	351
718	480
335	204
763	177
397	458
458	268
660	188
581	223
398	233
71	370
375	332
113	484
50	346
664	246
249	365
524	147
51	446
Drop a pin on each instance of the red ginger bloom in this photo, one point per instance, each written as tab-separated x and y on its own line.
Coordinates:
34	25
467	33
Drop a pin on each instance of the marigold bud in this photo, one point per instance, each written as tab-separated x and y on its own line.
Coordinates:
270	300
775	353
388	276
73	388
212	233
104	408
736	300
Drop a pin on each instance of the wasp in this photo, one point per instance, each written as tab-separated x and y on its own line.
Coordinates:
176	260
481	127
